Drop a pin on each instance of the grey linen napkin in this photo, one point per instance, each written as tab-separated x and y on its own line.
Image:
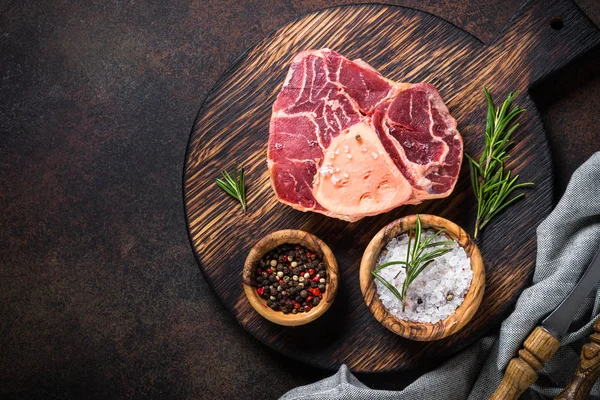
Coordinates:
567	240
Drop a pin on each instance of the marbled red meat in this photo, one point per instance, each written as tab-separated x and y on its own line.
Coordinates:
348	143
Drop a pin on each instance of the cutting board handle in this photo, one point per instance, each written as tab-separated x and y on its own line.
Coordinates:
543	37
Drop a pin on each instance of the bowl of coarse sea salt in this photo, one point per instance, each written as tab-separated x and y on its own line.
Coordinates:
445	294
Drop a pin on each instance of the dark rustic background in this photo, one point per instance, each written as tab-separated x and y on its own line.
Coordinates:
100	295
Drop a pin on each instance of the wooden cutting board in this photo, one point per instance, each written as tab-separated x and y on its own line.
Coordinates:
404	45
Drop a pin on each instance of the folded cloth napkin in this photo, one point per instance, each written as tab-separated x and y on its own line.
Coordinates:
567	241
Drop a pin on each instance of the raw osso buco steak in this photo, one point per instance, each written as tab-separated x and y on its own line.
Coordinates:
348	143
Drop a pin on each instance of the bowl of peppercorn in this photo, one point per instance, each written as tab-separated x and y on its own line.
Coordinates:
290	277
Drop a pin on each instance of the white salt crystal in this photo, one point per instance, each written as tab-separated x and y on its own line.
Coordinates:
449	273
326	170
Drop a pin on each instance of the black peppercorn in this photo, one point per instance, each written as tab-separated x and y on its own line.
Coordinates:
321	287
281	287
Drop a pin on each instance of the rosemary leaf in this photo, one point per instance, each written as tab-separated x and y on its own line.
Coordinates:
382	266
388	285
234	185
491	185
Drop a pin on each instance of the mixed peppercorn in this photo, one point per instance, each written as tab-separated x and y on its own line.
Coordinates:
291	279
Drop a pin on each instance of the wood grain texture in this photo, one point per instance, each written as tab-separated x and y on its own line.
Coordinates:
404	45
272	241
587	372
538	348
419	330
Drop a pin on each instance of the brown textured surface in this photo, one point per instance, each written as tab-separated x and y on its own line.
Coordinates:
232	126
100	295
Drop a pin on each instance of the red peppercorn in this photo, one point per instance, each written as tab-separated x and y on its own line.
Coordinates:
316	278
309	298
259	270
285	258
313	256
269	270
311	271
261	291
296	305
316	292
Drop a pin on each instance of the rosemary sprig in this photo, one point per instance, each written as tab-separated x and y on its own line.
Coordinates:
416	259
491	184
234	185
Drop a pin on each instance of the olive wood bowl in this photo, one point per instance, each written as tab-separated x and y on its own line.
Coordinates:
421	331
269	243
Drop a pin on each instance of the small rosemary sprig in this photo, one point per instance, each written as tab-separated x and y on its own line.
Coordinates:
234	185
416	259
491	185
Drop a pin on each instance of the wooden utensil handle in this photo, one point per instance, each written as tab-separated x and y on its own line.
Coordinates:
539	347
588	371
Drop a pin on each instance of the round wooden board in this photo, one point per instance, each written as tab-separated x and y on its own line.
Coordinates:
404	45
